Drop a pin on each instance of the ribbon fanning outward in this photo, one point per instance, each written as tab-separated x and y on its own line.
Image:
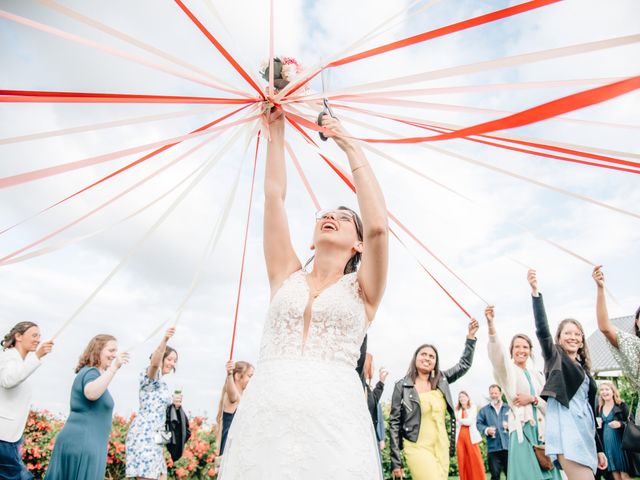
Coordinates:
26	96
244	250
210	164
220	48
545	111
439	32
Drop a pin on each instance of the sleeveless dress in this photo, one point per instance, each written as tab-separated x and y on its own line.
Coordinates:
80	450
227	420
144	457
612	440
303	415
428	458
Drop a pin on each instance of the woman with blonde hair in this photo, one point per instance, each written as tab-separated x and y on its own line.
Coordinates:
613	414
238	376
80	450
522	386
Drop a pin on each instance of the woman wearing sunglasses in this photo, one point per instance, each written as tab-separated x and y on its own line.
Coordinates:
303	414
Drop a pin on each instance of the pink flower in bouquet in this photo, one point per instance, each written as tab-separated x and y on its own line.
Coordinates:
181	472
211	473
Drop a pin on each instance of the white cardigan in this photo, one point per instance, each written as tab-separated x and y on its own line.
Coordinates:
471	415
15	392
513	380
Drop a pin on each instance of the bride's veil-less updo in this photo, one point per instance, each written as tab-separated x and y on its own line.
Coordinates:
354	261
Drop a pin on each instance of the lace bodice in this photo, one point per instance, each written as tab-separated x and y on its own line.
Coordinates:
337	328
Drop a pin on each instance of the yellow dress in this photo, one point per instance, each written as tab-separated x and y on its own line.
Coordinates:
428	458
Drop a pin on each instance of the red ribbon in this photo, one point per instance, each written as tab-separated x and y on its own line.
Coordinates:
120	170
244	250
26	96
438	32
526	117
220	48
435	128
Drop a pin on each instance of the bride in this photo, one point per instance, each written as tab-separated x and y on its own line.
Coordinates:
304	415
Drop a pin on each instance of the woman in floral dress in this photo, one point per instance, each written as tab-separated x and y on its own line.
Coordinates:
625	346
144	450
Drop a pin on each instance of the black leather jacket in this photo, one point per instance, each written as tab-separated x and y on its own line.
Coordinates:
404	419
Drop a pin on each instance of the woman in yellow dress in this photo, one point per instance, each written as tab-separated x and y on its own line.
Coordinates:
418	407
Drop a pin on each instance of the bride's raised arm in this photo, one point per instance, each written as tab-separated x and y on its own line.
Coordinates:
279	255
372	275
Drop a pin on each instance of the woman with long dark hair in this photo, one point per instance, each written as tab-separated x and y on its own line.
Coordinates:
147	436
419	404
80	451
570	392
303	415
16	366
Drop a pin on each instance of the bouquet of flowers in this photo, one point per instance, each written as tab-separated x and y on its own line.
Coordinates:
285	70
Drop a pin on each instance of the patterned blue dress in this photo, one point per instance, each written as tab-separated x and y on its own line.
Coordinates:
571	431
144	457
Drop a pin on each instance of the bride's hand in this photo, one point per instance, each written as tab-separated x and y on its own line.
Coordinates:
339	134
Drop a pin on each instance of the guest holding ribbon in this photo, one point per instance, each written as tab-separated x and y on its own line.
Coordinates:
419	404
570	392
147	434
522	385
238	376
80	450
625	346
19	359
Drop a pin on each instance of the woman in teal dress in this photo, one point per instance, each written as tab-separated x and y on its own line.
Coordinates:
522	386
80	451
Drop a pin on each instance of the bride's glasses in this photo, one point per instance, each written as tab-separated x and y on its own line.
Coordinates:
340	215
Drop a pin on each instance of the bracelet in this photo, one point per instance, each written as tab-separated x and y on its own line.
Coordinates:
353	170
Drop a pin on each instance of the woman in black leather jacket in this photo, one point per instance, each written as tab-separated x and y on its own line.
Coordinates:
426	387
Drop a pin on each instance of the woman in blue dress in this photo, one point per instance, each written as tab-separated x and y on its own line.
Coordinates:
613	414
145	441
570	393
80	450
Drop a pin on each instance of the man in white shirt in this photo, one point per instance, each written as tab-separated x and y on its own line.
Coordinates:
16	365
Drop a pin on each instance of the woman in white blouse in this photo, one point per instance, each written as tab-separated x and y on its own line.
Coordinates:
16	365
521	385
468	439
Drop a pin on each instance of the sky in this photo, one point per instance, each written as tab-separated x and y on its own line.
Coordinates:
478	240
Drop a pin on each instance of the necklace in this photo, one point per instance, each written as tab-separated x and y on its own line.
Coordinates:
316	290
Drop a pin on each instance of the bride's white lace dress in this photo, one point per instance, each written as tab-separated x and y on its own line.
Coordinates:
304	416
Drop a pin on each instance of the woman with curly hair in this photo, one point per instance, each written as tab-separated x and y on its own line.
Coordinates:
80	450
